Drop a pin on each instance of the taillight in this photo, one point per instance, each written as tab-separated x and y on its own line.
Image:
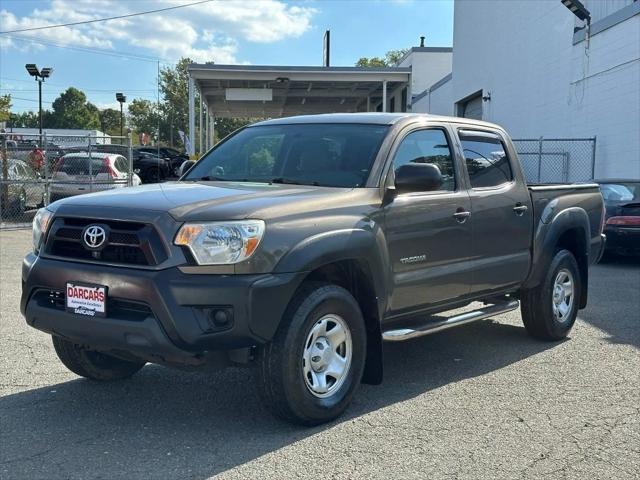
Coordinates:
627	221
108	169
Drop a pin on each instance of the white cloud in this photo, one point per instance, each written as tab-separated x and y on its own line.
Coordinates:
205	32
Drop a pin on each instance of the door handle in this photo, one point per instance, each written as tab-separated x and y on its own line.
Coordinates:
520	209
462	216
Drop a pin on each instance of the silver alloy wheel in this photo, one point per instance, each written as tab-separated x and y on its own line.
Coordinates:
563	295
326	358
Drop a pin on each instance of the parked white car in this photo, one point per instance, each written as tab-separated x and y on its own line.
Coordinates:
78	173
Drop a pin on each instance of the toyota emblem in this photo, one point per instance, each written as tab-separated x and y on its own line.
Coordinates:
94	236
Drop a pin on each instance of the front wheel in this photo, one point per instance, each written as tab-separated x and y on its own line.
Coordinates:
549	310
92	364
309	372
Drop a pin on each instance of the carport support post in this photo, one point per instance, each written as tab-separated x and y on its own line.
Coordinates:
207	128
384	95
200	123
192	119
213	129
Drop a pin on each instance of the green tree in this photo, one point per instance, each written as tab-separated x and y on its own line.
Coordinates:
143	115
225	126
24	119
71	110
5	107
391	58
174	110
110	121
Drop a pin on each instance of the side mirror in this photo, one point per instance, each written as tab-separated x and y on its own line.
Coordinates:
186	165
418	177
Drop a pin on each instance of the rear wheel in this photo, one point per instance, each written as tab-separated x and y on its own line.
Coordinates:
549	310
309	372
92	364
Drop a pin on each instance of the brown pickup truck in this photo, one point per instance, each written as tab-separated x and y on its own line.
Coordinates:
298	245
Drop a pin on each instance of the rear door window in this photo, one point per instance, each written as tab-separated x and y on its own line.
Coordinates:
486	159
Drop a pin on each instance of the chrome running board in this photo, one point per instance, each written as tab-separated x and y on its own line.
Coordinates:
402	334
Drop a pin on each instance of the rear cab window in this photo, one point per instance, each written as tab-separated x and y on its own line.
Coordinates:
486	159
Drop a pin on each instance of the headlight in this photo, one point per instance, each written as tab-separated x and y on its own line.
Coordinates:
40	225
219	243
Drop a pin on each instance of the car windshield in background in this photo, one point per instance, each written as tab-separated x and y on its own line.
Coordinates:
333	155
621	192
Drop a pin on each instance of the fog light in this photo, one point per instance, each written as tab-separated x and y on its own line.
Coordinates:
221	317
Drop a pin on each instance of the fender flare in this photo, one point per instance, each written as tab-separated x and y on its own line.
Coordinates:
368	248
546	239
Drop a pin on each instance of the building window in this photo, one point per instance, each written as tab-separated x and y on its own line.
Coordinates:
403	101
392	105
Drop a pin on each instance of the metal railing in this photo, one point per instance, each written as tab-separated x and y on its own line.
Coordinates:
557	160
36	170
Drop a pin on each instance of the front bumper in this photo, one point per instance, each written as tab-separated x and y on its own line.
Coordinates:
162	314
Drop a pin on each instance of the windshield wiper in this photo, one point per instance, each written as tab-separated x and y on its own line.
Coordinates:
291	181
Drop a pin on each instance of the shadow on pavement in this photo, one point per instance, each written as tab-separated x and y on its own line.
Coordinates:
164	423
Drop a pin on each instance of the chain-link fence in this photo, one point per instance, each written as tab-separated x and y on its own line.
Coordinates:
36	170
557	160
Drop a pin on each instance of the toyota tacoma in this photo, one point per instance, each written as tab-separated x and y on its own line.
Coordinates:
299	245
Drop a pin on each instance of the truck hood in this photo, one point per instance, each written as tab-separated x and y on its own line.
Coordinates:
208	201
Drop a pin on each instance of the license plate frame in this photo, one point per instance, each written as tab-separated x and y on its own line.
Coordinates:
84	299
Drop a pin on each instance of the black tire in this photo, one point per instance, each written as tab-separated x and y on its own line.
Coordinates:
537	304
279	371
91	364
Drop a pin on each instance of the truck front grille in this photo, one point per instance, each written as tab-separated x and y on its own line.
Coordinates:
127	243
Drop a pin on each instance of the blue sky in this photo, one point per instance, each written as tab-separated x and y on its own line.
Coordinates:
259	32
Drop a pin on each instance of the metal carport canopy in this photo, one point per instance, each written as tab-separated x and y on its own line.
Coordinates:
261	91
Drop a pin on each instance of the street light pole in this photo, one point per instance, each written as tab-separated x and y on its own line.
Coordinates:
121	99
39	76
40	106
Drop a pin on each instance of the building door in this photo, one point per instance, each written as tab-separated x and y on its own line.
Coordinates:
471	107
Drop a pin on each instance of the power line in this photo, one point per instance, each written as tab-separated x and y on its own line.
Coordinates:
105	19
96	90
110	53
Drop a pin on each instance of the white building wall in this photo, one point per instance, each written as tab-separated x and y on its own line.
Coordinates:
427	67
437	101
522	53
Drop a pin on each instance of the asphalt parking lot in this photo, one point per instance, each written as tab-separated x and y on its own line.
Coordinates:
481	401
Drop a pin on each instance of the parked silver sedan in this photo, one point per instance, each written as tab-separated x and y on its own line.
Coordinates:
78	173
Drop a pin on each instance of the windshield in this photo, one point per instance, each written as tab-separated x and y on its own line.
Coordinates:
621	192
335	155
